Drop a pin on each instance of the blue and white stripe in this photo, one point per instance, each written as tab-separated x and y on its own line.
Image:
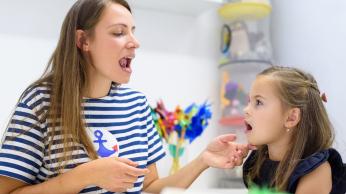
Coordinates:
125	113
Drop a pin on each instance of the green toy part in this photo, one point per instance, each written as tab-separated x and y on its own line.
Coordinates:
172	150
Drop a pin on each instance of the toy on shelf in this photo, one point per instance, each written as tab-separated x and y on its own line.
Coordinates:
180	127
233	100
245	33
245	51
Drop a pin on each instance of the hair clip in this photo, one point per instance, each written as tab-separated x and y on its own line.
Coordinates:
324	97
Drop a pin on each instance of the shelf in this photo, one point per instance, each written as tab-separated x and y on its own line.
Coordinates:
185	7
247	61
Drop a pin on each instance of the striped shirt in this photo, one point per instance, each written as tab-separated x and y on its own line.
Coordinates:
123	115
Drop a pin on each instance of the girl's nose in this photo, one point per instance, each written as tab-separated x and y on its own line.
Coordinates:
246	109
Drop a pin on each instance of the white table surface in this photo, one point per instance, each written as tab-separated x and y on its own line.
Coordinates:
204	191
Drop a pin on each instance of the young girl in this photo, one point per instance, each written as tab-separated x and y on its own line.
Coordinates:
76	130
287	121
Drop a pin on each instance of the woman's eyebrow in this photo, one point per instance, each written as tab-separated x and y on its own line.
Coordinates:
121	24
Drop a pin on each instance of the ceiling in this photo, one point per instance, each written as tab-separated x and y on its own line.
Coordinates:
186	7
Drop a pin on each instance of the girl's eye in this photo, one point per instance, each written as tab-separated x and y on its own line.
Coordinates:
258	102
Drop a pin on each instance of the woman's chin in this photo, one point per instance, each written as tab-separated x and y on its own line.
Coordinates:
122	81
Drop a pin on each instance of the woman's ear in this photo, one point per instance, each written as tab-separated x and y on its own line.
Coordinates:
81	40
293	118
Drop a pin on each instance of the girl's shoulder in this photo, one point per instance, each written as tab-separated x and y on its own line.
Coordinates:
306	166
338	172
317	159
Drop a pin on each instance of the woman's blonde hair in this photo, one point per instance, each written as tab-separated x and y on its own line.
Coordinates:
313	133
66	77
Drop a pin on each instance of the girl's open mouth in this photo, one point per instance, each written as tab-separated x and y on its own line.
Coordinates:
248	127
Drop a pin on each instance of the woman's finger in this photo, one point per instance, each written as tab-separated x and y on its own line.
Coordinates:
130	179
227	138
127	161
132	171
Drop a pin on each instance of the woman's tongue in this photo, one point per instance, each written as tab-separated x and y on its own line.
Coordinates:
125	65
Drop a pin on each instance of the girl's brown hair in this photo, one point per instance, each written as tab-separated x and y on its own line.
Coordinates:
66	77
313	133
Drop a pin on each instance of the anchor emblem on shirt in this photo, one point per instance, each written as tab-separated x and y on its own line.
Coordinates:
102	150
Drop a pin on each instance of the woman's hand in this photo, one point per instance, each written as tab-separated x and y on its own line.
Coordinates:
113	174
223	152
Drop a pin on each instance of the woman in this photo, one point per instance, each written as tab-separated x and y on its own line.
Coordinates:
59	137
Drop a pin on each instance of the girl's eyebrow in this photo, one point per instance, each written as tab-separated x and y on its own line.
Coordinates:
258	96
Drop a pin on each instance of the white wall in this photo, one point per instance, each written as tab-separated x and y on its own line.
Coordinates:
310	34
177	61
28	34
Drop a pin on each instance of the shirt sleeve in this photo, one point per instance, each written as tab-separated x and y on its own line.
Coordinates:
155	148
22	146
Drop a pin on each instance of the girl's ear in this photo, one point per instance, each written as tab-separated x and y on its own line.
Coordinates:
81	40
293	118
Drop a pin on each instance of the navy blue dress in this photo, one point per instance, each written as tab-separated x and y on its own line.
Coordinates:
304	167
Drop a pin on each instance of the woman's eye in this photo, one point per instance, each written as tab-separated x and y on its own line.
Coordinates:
118	34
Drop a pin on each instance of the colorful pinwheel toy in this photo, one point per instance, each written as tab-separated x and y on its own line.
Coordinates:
179	127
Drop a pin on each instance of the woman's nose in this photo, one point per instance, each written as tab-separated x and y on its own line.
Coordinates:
133	43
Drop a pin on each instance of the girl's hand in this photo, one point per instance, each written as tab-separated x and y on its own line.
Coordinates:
223	152
113	174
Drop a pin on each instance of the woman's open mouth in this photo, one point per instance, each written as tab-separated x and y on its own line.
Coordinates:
125	64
